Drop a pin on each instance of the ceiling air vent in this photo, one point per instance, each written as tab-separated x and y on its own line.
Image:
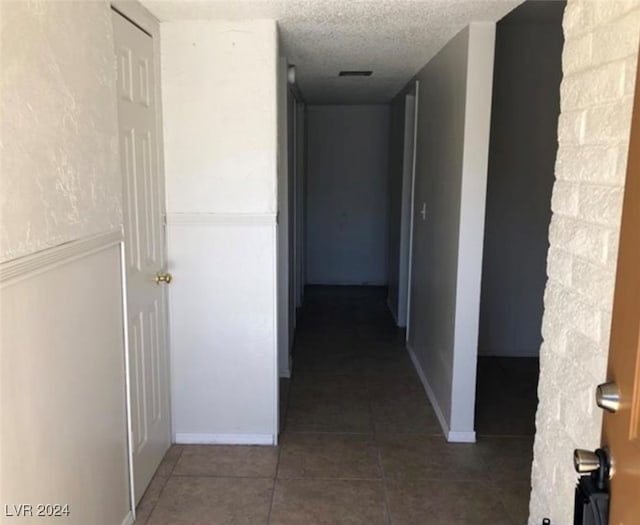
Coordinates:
355	73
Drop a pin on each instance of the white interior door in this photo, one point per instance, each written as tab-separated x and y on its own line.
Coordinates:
150	433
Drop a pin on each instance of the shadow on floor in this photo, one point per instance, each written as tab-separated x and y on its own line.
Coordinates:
360	442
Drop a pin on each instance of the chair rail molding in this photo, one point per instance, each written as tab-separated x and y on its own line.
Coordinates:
202	219
15	270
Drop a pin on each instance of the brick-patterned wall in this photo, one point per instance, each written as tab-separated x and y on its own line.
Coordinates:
599	67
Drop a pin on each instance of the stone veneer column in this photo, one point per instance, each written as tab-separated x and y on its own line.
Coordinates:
599	67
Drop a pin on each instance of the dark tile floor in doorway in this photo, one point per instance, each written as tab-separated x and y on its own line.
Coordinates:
360	443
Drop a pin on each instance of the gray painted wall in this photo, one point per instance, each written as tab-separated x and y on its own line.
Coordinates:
347	199
523	144
451	167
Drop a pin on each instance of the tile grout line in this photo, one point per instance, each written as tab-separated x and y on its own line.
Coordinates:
493	486
281	427
273	489
287	478
153	508
385	492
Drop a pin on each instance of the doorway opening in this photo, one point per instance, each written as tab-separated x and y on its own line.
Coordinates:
352	374
522	151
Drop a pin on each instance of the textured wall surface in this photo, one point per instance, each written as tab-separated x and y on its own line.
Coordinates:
599	61
220	116
60	176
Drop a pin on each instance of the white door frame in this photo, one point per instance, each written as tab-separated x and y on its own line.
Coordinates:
415	91
405	208
141	17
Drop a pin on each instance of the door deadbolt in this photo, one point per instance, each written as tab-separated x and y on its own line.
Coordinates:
592	491
596	464
608	396
585	461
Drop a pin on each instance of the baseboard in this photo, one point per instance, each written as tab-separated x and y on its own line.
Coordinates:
461	437
225	439
427	388
452	436
393	312
316	282
128	519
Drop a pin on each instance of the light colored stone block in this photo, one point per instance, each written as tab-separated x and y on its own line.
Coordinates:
594	281
578	18
559	264
565	198
600	204
576	54
599	63
617	40
570	127
630	74
593	86
595	163
590	241
610	123
610	11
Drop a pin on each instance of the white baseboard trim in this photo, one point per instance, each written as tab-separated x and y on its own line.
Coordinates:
320	282
128	519
393	312
461	437
225	439
427	388
452	436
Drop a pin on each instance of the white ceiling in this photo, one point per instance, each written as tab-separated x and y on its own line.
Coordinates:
394	38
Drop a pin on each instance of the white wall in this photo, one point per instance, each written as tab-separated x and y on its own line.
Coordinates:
219	82
451	169
64	434
63	428
285	302
60	175
524	124
347	194
599	63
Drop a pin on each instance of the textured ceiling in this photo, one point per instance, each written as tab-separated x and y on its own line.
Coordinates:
394	38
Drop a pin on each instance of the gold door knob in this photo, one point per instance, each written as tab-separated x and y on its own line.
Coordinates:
165	278
608	396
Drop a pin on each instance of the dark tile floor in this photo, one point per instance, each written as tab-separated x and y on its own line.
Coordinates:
360	443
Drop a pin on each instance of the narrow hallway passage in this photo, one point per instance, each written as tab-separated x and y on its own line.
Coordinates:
360	443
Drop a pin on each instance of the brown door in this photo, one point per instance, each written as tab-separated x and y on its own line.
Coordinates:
621	429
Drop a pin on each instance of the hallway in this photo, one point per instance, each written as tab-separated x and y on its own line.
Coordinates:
360	443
